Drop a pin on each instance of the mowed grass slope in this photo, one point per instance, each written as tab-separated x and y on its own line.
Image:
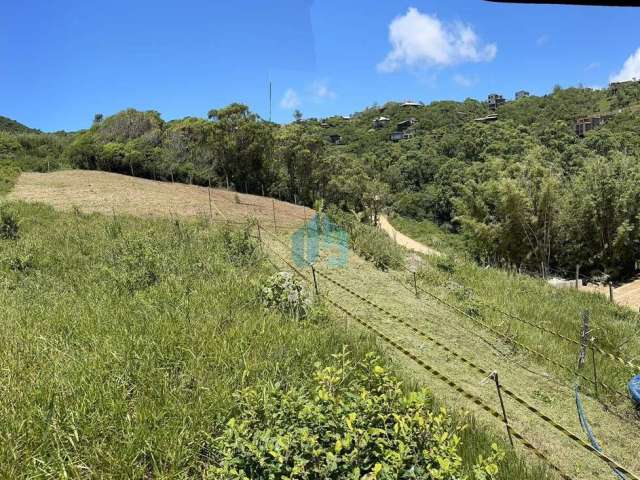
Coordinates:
104	192
495	297
122	341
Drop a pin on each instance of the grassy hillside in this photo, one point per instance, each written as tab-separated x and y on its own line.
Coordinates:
124	341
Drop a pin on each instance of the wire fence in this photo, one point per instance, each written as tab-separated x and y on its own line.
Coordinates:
510	393
474	398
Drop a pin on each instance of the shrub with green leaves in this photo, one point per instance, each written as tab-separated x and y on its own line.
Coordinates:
284	292
239	245
134	264
356	422
9	225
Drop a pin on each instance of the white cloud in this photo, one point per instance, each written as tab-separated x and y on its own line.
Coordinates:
543	40
422	40
290	100
592	66
464	81
630	69
320	91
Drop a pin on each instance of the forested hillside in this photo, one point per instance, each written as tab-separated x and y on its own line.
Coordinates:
524	190
9	125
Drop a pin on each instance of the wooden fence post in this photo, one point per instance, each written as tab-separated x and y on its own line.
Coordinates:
210	207
275	226
584	339
577	276
315	282
595	371
504	412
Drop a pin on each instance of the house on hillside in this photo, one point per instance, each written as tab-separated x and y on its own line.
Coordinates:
324	125
494	100
409	103
521	94
335	139
585	124
614	87
397	136
406	124
381	122
492	117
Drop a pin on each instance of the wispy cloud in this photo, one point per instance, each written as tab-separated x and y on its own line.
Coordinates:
543	40
420	40
464	81
592	66
319	91
630	69
290	100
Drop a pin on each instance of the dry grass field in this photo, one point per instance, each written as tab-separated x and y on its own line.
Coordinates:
103	192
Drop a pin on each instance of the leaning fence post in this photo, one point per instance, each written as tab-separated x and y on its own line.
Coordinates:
610	291
504	412
259	235
315	282
415	284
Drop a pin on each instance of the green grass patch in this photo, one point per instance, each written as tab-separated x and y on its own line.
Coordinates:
429	233
369	242
9	172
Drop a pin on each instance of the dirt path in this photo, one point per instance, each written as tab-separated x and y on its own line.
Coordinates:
402	239
627	294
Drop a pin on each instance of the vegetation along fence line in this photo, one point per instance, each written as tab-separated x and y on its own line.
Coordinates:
600	350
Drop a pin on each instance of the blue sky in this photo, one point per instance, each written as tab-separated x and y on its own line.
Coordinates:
61	62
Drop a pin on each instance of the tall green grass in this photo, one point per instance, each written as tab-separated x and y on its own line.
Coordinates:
122	342
370	242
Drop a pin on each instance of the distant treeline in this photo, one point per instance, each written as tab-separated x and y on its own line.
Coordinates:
524	190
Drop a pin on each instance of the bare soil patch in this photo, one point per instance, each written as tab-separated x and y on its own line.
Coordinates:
403	240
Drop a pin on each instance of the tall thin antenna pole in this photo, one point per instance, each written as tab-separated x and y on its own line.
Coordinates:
269	100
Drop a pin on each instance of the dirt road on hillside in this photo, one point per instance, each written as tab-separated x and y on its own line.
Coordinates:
403	240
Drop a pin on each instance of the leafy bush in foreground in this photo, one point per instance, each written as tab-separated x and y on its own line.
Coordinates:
356	423
283	292
135	263
240	247
8	225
